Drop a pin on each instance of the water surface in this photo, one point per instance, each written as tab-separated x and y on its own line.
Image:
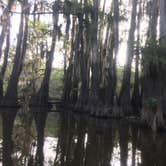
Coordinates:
37	138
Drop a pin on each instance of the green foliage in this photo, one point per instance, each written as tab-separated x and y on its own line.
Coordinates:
33	66
31	76
154	53
151	103
120	78
39	29
24	135
56	83
51	128
150	54
87	8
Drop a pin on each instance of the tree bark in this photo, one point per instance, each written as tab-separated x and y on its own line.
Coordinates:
10	98
4	65
162	66
40	121
124	98
82	100
68	75
94	101
5	24
136	96
113	53
8	117
42	96
151	76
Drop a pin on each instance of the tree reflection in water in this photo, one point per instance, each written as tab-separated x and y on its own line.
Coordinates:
8	117
40	116
77	140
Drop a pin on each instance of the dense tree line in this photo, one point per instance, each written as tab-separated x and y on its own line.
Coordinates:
91	34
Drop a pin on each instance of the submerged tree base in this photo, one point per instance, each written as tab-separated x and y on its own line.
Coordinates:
153	121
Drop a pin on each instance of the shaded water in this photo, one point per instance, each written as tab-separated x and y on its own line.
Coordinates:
53	139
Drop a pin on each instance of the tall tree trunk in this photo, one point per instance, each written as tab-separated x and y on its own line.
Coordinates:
68	75
5	24
116	46
5	62
5	30
94	101
114	50
153	20
136	96
68	22
11	93
76	68
124	98
162	7
42	96
162	66
151	81
82	100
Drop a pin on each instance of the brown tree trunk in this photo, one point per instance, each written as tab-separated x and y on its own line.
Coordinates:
136	96
94	101
5	30
8	117
151	76
114	52
10	98
5	18
83	97
5	62
116	47
76	69
162	66
124	98
68	75
42	96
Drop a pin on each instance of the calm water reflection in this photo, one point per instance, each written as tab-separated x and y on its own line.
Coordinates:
40	139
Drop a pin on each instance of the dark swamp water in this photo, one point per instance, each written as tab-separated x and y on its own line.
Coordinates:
53	139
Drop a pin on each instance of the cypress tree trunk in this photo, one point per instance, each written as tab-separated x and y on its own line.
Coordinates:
68	75
94	101
8	117
10	98
82	100
162	66
116	46
5	30
114	52
136	96
152	112
124	98
5	24
42	96
76	68
5	62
